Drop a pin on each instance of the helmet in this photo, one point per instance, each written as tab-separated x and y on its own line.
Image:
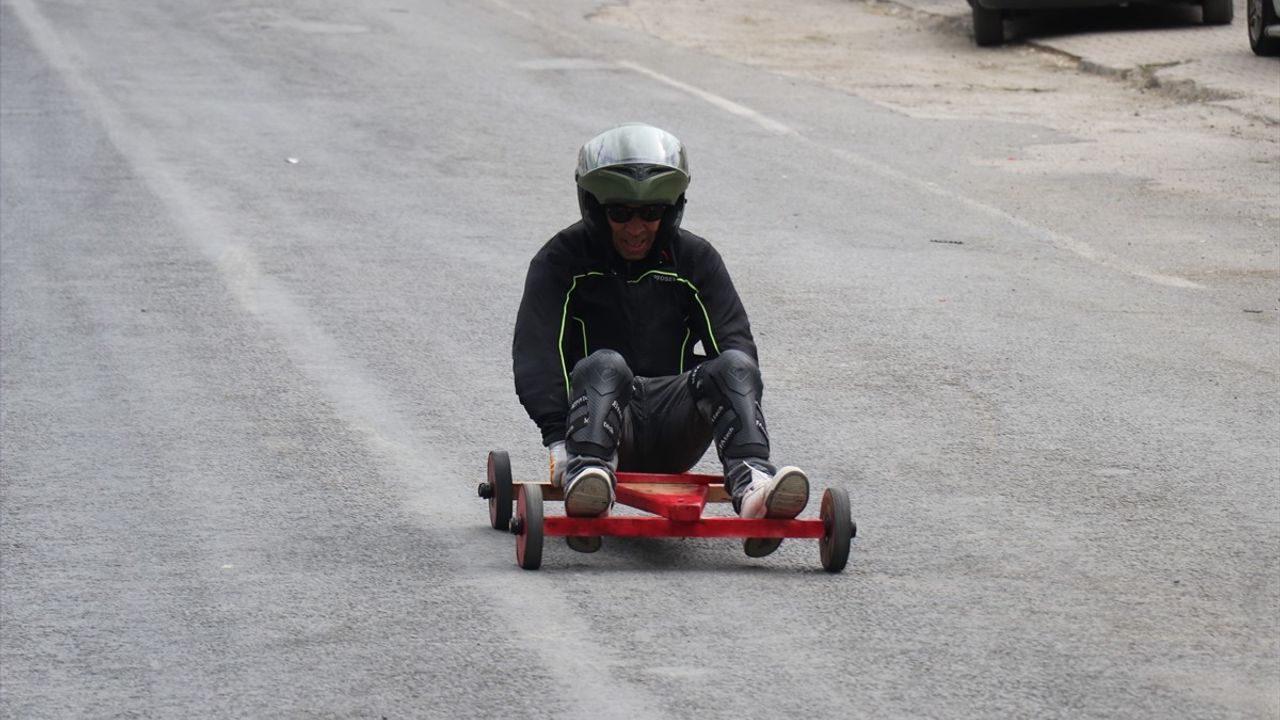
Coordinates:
633	163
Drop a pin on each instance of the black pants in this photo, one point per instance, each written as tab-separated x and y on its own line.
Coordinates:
665	424
663	431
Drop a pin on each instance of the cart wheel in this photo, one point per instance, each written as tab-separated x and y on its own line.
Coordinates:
840	529
499	490
528	526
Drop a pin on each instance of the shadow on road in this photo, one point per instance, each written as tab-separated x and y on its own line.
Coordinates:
1027	25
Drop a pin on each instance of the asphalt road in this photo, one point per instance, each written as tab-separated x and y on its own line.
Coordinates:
259	264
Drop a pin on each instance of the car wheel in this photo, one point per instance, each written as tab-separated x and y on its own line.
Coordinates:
1217	12
1260	15
988	26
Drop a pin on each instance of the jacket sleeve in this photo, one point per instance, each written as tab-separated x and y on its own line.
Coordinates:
536	355
725	324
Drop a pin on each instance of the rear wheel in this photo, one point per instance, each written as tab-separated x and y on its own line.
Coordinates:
1217	12
1261	14
988	26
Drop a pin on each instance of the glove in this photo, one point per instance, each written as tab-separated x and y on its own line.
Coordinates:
559	457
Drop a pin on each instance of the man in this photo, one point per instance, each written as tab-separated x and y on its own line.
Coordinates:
606	344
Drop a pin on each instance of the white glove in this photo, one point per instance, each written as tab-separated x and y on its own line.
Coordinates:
556	462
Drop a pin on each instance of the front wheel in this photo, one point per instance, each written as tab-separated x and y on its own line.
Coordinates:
528	526
1217	12
499	490
988	26
838	529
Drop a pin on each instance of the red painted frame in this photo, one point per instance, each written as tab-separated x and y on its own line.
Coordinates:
677	511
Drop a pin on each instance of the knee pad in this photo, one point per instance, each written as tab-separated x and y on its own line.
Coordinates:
600	388
730	387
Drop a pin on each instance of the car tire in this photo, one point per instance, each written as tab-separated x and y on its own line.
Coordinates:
1260	14
988	26
1217	12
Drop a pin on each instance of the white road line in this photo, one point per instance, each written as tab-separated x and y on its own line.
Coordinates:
723	103
1066	242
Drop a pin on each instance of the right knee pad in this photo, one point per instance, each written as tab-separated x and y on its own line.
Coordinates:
731	386
599	390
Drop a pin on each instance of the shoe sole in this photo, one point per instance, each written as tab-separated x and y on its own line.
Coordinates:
759	547
584	544
787	500
589	496
789	496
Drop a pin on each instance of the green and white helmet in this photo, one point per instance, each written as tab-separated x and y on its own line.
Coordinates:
632	163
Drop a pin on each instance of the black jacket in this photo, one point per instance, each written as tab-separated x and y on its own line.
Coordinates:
580	296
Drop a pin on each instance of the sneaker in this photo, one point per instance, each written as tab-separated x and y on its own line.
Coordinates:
589	493
780	497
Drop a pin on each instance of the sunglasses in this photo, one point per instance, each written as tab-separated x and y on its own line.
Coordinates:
623	214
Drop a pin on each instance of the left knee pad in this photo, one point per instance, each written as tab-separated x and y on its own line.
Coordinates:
731	386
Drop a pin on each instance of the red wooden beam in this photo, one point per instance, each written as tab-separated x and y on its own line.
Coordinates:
559	525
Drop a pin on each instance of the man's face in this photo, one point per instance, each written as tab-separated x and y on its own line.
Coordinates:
634	236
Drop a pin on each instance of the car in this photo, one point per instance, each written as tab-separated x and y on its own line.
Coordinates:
989	15
1264	26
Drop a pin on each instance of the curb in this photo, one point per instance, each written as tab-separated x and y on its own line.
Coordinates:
1192	63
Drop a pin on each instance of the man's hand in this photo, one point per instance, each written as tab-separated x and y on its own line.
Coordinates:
558	457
